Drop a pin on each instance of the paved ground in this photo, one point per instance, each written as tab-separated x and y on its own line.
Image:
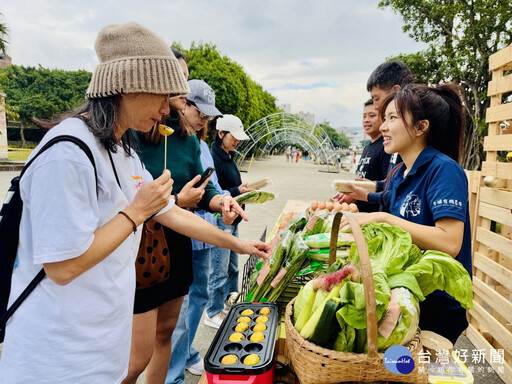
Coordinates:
301	181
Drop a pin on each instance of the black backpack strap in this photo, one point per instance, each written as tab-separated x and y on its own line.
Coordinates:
74	140
27	291
41	274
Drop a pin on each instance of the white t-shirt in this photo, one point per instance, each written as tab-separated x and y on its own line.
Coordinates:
80	332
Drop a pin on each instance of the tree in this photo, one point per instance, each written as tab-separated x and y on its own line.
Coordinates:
461	35
40	92
235	92
339	140
4	31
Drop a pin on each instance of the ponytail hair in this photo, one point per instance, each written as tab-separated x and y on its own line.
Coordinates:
441	106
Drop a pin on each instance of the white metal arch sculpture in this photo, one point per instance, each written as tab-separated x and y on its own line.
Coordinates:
288	129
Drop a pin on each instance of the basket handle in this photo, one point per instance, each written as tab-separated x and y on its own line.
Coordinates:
366	272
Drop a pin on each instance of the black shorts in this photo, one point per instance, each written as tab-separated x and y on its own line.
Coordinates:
438	315
180	277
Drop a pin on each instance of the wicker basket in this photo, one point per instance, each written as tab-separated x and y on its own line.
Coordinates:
317	365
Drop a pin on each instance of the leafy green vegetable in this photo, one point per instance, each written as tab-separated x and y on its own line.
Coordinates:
293	262
437	270
297	223
274	265
346	338
406	280
407	323
303	305
323	240
353	308
255	197
312	323
317	224
388	244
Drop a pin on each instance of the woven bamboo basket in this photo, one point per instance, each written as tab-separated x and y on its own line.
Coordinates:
317	365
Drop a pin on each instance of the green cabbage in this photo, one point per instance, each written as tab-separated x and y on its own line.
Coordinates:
346	337
407	323
353	302
437	270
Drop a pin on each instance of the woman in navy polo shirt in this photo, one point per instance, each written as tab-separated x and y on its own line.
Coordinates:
427	194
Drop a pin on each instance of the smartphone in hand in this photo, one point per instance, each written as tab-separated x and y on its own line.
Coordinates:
206	174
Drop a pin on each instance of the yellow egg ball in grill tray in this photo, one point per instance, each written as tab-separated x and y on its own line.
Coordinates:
248	334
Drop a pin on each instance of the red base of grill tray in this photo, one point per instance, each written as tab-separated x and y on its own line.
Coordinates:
263	378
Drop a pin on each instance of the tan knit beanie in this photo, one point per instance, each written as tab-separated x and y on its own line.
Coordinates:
133	59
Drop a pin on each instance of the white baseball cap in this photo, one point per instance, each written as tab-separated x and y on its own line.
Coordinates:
233	125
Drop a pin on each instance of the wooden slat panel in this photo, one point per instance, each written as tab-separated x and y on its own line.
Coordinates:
498	214
497	330
500	170
500	86
498	303
499	113
494	270
473	180
500	58
481	343
494	241
499	197
500	142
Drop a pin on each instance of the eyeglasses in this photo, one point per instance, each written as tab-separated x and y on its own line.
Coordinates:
202	116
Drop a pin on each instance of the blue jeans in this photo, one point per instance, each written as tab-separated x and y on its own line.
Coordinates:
183	354
223	273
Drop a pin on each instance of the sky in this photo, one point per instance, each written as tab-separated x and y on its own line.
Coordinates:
315	55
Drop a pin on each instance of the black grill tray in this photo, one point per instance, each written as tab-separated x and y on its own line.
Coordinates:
222	346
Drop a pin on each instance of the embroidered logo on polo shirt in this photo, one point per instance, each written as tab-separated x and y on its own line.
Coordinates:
138	182
411	206
447	203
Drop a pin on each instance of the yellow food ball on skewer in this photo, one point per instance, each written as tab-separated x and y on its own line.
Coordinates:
165	130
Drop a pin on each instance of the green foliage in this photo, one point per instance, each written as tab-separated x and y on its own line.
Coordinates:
40	92
235	92
339	140
4	31
461	35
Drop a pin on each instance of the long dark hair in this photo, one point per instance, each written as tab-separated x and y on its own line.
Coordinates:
441	106
101	116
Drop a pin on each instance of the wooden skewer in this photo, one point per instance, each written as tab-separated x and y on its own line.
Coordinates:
165	153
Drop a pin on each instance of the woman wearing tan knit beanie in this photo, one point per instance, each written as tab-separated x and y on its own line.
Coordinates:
81	221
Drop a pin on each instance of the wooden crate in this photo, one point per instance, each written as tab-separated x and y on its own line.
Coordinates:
491	319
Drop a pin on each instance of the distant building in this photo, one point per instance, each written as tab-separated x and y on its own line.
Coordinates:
309	117
355	135
286	108
5	60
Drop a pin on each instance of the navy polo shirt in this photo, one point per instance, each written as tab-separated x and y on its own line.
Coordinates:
435	187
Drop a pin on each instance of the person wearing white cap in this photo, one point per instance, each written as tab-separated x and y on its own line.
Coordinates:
223	277
81	222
